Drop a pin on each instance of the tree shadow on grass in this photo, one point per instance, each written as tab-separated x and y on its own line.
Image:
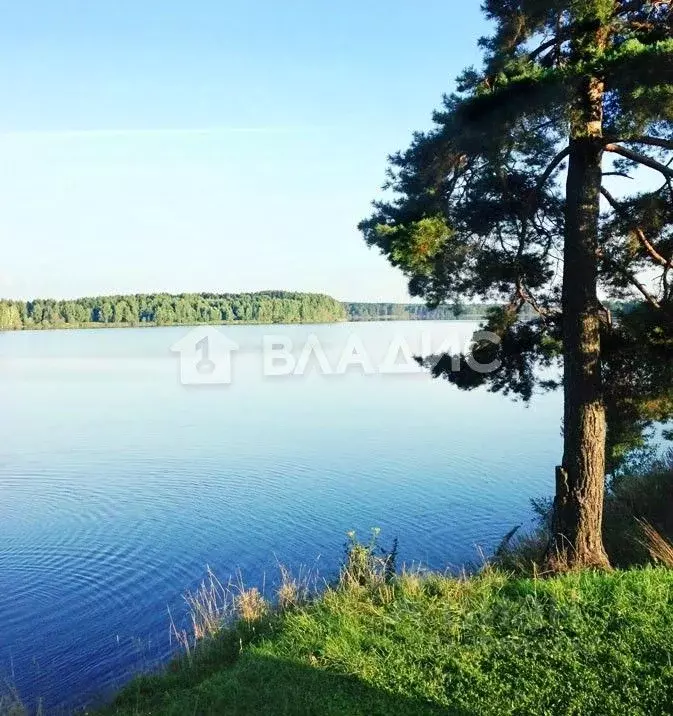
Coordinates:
258	684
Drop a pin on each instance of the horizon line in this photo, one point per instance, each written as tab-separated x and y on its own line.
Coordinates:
80	297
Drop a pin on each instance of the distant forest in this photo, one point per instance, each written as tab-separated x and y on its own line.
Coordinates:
414	312
163	309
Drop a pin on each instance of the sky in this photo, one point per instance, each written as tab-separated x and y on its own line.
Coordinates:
221	146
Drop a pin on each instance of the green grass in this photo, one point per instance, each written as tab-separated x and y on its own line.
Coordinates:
586	643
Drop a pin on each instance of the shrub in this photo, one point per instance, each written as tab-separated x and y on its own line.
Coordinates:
641	496
368	564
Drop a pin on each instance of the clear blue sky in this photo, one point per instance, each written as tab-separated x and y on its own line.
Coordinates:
165	145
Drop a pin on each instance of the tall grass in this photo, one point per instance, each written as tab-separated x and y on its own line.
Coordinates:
215	605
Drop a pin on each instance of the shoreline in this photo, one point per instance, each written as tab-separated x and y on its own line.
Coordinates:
148	324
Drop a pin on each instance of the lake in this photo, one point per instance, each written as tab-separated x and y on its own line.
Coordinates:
119	484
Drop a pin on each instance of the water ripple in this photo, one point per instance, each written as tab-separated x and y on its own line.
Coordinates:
117	489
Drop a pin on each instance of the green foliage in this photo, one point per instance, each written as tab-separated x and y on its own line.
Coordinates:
10	315
644	494
165	309
638	369
641	491
368	564
415	247
468	216
476	208
587	643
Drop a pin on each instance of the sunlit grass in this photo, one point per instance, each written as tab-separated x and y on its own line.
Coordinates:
586	643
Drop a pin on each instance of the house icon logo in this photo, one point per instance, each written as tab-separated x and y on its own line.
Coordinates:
205	357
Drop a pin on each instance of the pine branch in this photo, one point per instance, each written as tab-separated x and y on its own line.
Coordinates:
556	161
630	276
526	297
654	254
566	32
555	41
544	178
636	5
640	159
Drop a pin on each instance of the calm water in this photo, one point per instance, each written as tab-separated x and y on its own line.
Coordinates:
118	484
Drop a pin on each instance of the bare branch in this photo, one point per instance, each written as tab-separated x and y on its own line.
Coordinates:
640	159
556	161
651	141
527	297
557	40
623	175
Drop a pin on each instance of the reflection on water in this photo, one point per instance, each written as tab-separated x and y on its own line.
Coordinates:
118	484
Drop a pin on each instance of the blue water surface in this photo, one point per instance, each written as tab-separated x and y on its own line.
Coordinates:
119	484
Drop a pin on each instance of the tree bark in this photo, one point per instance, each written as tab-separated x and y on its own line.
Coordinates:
580	480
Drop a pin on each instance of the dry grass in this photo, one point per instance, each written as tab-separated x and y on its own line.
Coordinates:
11	704
288	594
210	606
659	548
250	605
215	606
411	583
294	591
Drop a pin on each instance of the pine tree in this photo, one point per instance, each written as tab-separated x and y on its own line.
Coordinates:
519	194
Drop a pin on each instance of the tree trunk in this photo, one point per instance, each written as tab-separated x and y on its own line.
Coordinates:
580	481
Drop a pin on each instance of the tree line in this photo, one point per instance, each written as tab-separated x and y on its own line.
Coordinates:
164	309
416	311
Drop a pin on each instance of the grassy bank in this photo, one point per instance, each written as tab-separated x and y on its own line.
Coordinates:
492	644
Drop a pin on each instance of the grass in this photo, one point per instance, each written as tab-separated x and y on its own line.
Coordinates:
585	643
